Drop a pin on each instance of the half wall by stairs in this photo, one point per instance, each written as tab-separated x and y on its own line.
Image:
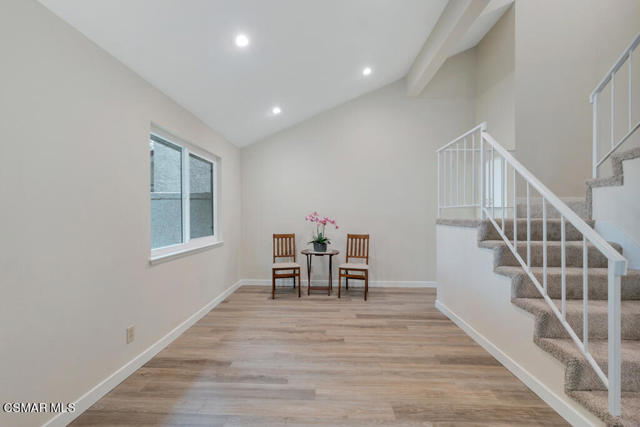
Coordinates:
580	381
543	258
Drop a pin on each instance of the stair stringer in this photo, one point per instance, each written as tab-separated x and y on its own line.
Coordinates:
479	302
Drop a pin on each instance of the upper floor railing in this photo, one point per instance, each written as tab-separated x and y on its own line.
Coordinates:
463	189
477	174
610	80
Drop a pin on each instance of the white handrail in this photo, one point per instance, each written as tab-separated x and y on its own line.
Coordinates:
616	66
493	178
618	144
446	163
617	267
564	210
481	126
594	98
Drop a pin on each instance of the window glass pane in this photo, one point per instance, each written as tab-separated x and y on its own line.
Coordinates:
166	193
200	197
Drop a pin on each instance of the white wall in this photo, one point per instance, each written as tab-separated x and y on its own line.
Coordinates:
74	125
74	223
479	301
370	163
495	102
563	49
616	210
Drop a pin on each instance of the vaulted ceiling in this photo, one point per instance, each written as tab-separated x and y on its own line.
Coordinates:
304	56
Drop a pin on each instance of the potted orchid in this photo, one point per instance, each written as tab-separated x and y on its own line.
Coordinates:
320	239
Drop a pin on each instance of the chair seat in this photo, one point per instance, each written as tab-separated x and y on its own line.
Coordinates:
285	265
354	266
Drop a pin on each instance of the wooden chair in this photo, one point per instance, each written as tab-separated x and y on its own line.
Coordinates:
284	246
357	248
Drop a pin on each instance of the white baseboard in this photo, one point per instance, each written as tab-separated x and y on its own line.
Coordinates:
372	284
569	413
109	383
97	392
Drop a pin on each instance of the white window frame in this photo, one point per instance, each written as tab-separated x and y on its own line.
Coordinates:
188	244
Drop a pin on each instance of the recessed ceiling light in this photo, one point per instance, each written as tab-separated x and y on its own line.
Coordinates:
276	110
366	71
242	40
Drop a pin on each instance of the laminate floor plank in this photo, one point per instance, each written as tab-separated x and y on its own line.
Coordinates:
319	361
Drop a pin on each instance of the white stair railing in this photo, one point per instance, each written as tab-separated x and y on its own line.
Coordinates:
450	163
481	181
610	78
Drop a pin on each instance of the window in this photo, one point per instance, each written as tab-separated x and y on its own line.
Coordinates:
166	193
200	197
183	203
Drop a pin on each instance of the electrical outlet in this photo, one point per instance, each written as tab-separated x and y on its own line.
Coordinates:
131	334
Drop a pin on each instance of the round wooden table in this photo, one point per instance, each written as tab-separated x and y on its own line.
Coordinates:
310	254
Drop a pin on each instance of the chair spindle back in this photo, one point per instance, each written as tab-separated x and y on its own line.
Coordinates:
358	246
284	246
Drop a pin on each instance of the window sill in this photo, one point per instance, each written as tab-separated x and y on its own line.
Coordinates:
180	252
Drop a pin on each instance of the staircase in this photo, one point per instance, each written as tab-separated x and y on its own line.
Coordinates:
617	177
581	381
548	249
585	301
539	225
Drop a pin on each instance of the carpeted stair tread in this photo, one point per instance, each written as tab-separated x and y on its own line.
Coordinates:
581	381
573	254
576	204
523	287
597	402
548	326
580	375
617	176
487	231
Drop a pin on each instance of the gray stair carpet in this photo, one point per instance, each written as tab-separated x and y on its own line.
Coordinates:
581	381
617	177
578	205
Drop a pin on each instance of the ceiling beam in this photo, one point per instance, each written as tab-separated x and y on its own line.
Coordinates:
453	24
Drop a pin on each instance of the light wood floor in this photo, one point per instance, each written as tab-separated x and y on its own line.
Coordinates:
318	360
